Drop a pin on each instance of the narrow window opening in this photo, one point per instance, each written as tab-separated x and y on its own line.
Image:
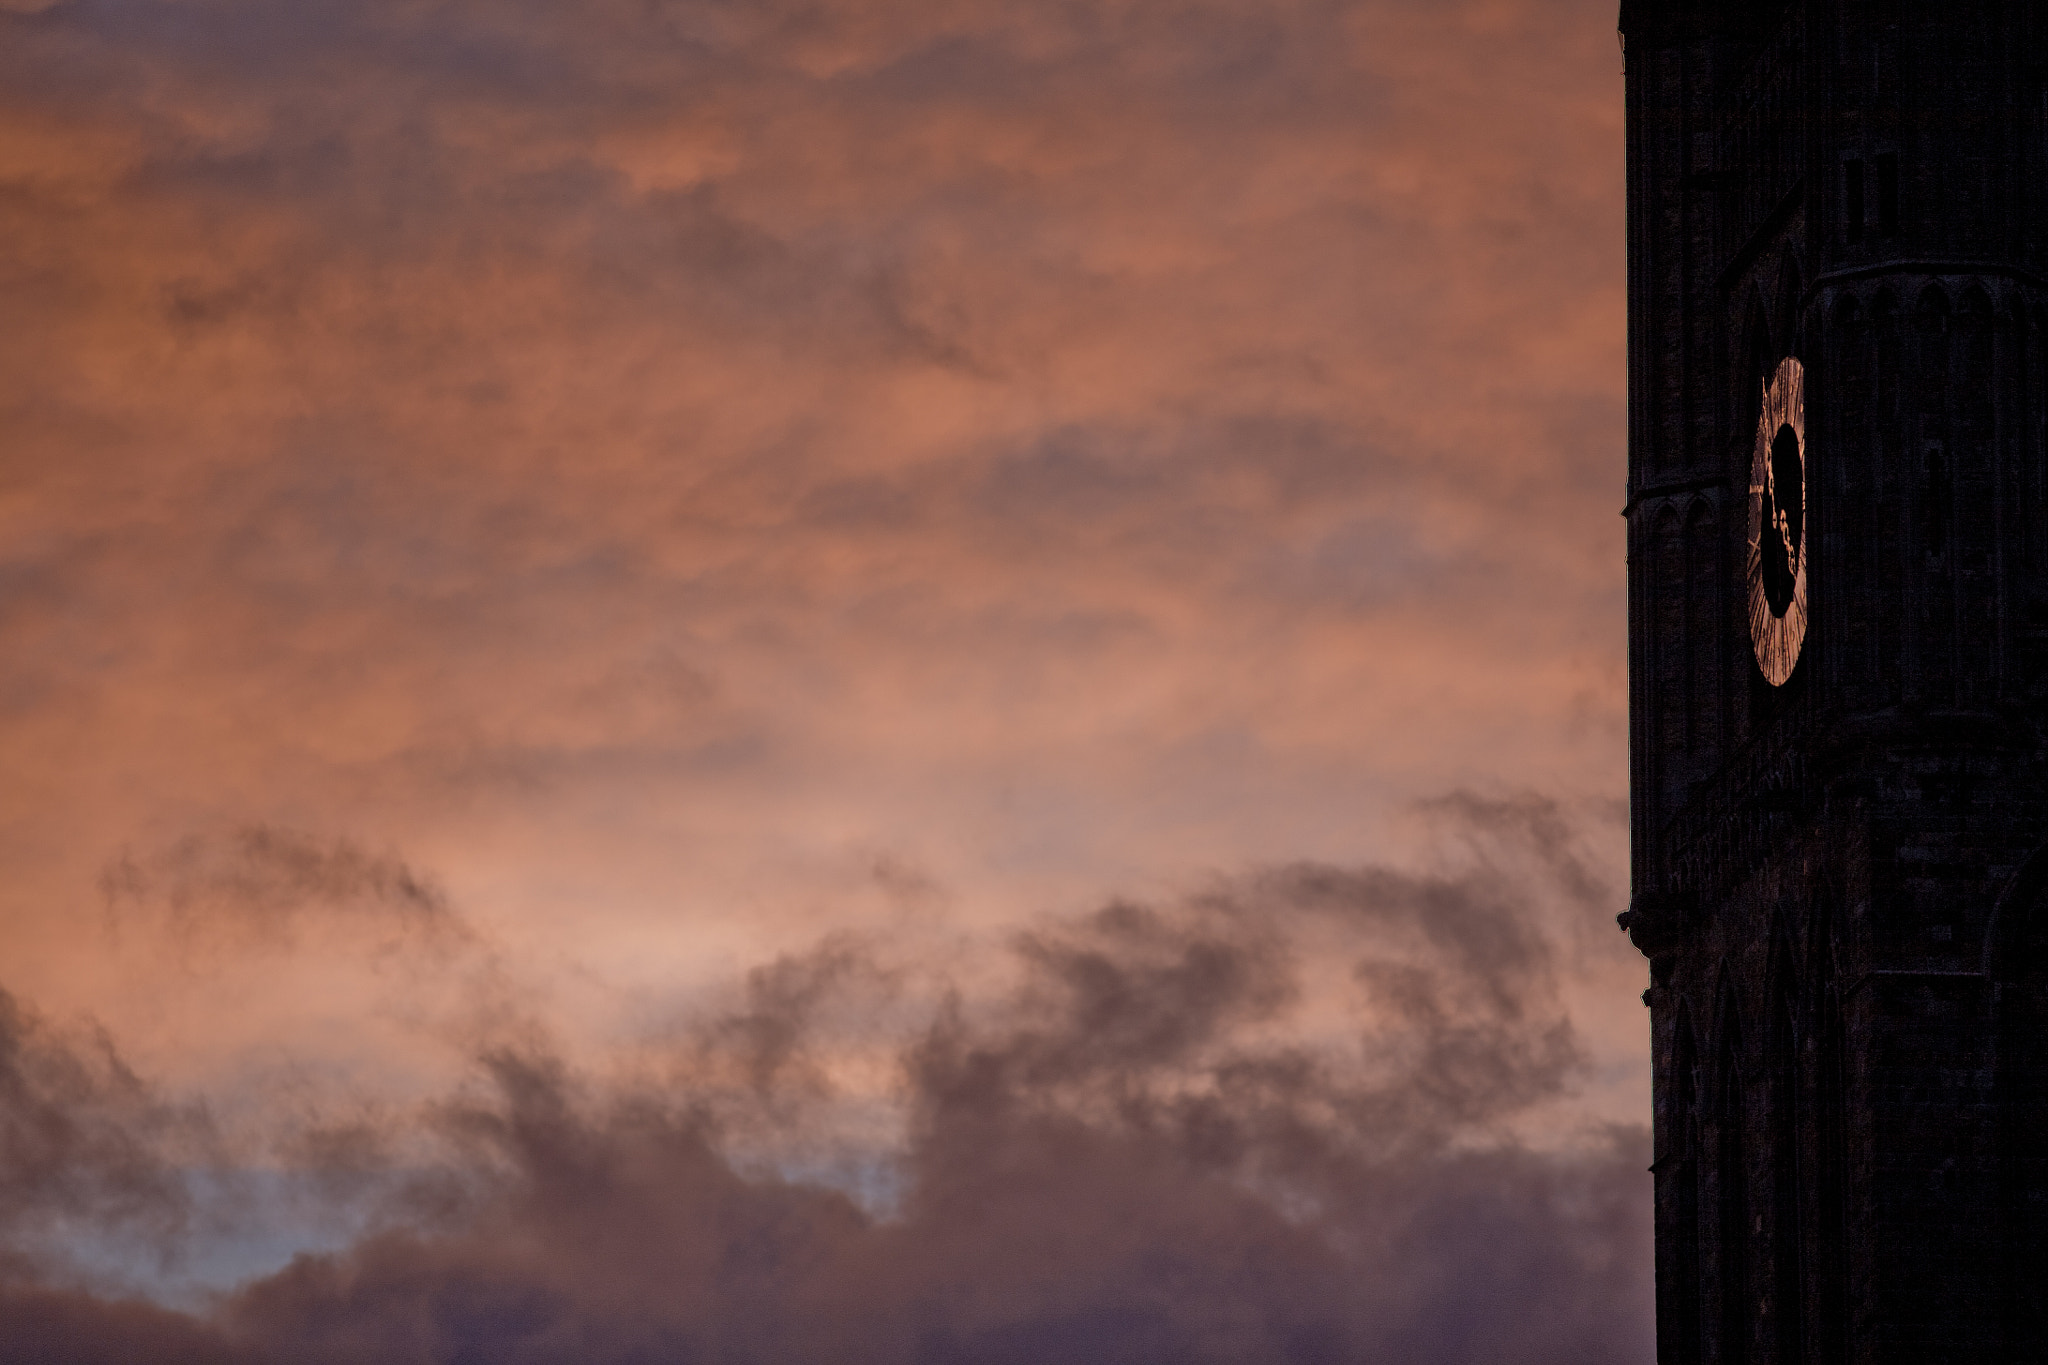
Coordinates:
1937	503
1737	1311
1682	1325
1888	194
1790	1181
1852	209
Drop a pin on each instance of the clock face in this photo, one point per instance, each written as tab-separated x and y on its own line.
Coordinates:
1777	525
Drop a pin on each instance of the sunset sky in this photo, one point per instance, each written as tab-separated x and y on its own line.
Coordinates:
841	680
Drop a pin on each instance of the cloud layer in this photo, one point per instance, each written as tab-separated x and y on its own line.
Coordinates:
1273	1122
586	589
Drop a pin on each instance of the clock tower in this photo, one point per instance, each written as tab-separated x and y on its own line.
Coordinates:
1838	658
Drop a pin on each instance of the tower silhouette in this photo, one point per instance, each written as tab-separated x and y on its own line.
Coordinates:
1838	644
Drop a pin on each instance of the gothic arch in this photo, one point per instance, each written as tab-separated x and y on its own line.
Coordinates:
1974	320
1931	323
1933	302
1887	318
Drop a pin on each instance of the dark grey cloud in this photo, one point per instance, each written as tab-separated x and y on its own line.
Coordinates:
1159	1143
41	1326
765	1041
269	883
85	1144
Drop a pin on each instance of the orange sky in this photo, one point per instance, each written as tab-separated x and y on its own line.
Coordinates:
514	515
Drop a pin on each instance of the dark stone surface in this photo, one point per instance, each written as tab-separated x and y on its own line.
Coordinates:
1840	882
